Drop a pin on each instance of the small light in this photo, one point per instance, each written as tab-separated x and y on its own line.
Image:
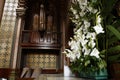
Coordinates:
4	79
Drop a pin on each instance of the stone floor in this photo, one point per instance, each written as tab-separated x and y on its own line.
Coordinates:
64	78
58	77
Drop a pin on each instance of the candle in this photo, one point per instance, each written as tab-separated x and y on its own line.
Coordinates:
35	22
42	17
49	22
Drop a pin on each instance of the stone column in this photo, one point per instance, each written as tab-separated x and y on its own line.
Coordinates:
64	26
20	14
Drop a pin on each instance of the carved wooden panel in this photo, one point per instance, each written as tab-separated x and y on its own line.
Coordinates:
41	31
42	24
34	37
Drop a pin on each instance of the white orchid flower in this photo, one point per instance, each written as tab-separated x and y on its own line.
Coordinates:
83	42
91	44
98	29
95	53
87	24
74	45
76	16
74	12
90	8
78	55
91	35
83	2
85	50
72	57
70	54
82	14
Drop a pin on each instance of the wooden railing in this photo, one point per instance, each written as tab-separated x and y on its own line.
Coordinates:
35	38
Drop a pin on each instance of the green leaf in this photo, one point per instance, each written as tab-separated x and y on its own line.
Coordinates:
107	6
114	49
112	40
102	64
115	58
116	22
114	31
102	53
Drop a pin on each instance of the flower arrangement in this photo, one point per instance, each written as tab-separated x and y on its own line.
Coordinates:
84	53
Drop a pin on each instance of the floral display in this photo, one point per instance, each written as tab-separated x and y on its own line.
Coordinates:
84	53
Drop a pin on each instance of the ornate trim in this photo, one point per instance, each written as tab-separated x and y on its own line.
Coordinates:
20	11
21	3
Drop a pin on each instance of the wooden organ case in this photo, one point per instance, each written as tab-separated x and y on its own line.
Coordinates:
40	41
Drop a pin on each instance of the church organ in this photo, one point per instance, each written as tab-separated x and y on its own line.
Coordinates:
41	24
40	41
